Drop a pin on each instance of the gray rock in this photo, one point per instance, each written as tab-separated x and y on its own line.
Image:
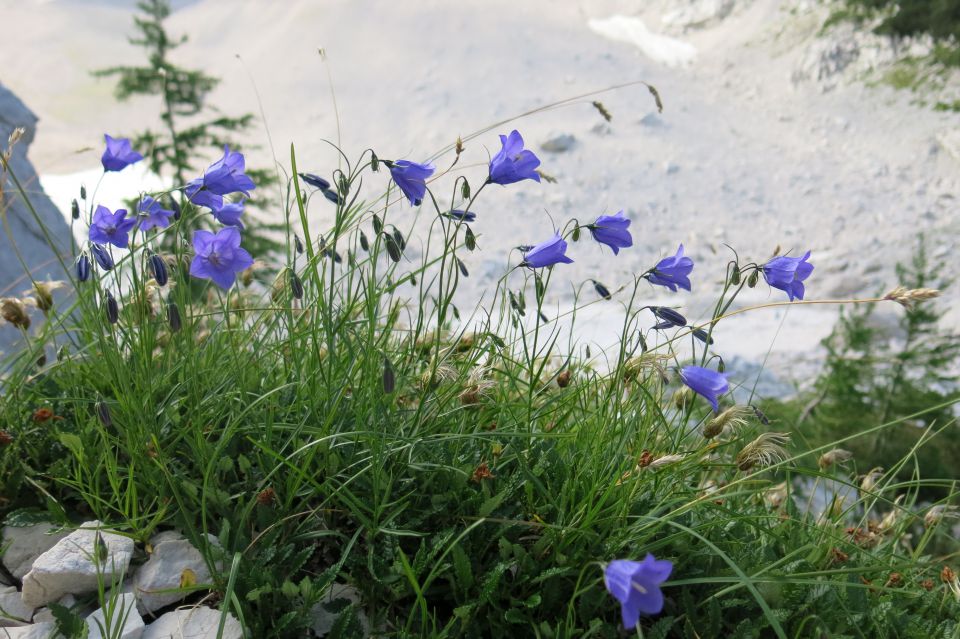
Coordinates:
118	620
13	612
195	623
25	543
697	14
45	614
154	580
326	613
559	143
26	232
69	567
36	631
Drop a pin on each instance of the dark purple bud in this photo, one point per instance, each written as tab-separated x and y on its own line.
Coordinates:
159	269
102	257
296	286
112	309
544	318
297	244
456	311
389	379
83	268
602	290
75	210
315	181
661	326
331	195
83	192
670	316
702	335
761	416
175	207
173	317
462	267
103	414
364	242
462	216
377	224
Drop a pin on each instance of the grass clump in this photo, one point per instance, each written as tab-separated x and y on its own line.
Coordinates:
466	474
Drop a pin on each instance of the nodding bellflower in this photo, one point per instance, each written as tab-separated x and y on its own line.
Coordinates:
118	155
102	257
315	181
229	214
513	163
223	177
154	215
411	178
83	267
547	254
110	227
219	257
462	216
669	316
636	585
788	274
672	272
612	231
707	383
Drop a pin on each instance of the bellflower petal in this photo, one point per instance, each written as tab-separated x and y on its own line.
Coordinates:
513	163
111	227
672	272
118	154
219	257
636	585
788	274
547	254
705	382
612	231
411	178
154	215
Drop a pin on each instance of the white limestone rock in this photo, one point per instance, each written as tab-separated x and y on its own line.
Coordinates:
193	623
36	631
13	612
124	620
69	567
326	612
45	614
25	543
171	556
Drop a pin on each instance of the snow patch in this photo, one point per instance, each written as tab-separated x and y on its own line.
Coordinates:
663	49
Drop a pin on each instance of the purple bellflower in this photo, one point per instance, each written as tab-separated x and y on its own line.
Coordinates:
111	228
411	178
154	215
672	271
223	177
315	181
462	216
705	382
229	214
102	257
513	163
118	155
219	257
788	274
612	231
547	254
636	585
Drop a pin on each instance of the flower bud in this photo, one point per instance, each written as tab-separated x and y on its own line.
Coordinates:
575	235
364	242
175	207
331	195
75	210
83	267
102	257
462	267
112	309
374	162
735	275
159	269
601	290
398	236
753	279
377	224
469	240
296	286
103	414
297	244
465	189
173	317
393	250
83	192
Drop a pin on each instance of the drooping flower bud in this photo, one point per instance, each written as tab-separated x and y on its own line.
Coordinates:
112	309
75	210
83	267
601	290
296	286
83	192
102	257
297	244
173	317
364	242
159	269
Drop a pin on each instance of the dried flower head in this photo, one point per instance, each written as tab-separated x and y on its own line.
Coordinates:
910	297
480	473
42	293
729	420
563	379
938	513
837	556
774	496
15	311
765	450
890	520
869	481
266	496
835	456
5	438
